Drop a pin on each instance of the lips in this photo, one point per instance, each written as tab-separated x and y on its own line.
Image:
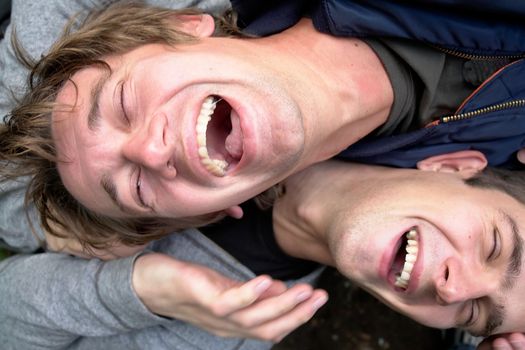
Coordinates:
219	136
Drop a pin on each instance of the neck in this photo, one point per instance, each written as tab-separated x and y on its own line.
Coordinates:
340	83
306	218
302	217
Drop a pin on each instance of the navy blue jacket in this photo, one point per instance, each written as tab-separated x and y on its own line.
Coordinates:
491	120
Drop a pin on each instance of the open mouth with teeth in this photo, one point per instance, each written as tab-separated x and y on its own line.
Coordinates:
405	258
219	136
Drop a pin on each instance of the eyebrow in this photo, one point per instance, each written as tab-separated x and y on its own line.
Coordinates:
109	186
497	312
515	263
93	121
93	117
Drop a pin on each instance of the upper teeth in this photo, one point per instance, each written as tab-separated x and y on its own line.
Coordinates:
215	166
411	256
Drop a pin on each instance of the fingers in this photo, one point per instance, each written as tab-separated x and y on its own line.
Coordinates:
242	311
487	343
500	344
59	244
261	308
73	247
272	307
516	341
277	287
278	298
241	296
508	341
276	329
274	318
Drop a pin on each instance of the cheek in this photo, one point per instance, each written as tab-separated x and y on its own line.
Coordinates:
430	315
515	309
81	177
74	182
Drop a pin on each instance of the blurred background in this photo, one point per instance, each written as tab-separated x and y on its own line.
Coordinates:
354	320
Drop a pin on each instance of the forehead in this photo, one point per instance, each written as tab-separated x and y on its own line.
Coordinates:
72	106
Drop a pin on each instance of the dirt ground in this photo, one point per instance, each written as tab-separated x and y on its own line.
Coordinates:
354	320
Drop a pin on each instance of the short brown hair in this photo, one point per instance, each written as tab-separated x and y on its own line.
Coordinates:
26	144
511	182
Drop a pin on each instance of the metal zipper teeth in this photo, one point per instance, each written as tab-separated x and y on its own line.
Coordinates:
484	110
469	56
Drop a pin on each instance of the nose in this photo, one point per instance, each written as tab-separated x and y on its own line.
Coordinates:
460	281
150	147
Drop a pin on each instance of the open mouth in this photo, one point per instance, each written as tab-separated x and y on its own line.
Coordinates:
219	136
405	258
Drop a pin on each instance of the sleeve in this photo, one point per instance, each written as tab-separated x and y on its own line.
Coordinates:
19	228
54	301
483	27
37	25
50	300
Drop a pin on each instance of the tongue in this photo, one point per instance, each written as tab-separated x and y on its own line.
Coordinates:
233	142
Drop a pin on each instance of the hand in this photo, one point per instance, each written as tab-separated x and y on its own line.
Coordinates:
505	341
73	247
521	155
261	308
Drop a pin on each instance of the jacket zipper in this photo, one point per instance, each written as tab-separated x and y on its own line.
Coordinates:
474	57
493	108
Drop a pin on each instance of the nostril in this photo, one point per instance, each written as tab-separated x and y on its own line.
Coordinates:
170	171
441	280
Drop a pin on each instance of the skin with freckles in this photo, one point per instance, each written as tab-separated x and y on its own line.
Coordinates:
468	268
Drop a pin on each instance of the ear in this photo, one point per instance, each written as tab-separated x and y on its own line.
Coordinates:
521	155
465	163
200	26
235	212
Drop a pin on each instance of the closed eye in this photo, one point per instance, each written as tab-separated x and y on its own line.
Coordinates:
138	184
496	246
122	105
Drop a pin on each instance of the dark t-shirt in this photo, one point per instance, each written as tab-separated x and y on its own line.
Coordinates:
252	242
427	82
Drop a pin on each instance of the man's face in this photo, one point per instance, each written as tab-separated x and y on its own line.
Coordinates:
465	261
140	139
